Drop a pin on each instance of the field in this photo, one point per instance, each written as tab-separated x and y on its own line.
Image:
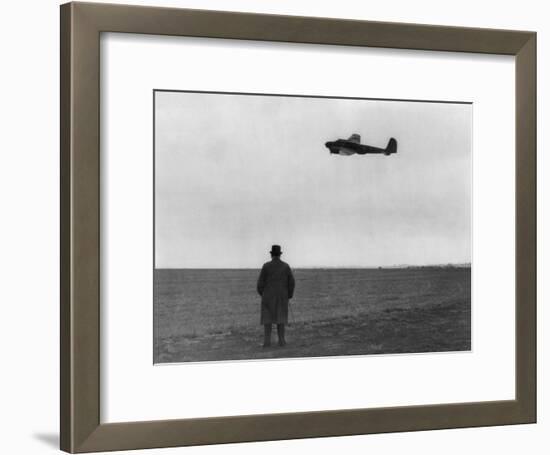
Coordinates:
214	314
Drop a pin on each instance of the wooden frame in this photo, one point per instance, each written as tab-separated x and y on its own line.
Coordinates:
81	25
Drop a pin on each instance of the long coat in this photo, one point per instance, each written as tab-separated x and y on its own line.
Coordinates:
276	286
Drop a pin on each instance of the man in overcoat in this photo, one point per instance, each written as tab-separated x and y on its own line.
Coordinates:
276	286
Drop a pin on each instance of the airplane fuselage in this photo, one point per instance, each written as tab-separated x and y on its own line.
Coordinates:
347	147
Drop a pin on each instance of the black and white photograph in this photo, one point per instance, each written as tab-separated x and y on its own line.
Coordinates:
300	226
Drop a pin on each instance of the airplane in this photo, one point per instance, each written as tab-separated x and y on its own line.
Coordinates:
353	146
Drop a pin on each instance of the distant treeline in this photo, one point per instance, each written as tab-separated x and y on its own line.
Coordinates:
370	267
430	267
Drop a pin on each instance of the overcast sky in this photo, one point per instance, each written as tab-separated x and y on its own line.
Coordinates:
237	173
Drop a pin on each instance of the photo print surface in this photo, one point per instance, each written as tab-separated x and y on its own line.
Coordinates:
299	226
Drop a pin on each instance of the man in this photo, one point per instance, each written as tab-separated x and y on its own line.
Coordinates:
276	286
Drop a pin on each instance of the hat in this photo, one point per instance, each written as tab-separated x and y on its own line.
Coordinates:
276	250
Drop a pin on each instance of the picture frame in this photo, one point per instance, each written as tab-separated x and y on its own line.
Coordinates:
80	425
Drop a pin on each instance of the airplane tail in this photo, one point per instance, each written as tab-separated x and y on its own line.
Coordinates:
391	147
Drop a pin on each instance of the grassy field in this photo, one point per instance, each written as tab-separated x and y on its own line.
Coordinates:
214	314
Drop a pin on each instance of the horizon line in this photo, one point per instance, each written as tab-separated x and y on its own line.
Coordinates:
397	266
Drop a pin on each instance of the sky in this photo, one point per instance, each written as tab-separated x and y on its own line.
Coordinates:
235	174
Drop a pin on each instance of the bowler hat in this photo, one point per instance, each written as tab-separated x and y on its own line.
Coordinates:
275	250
